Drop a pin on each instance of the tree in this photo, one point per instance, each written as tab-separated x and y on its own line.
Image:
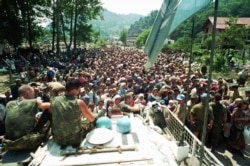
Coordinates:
124	36
183	44
74	20
11	31
234	36
19	19
142	24
141	39
70	20
100	43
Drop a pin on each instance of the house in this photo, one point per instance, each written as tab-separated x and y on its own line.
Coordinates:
221	25
131	40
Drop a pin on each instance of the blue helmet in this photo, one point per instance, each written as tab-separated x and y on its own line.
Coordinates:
104	122
123	125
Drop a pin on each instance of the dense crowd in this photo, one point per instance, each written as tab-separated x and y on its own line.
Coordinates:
114	81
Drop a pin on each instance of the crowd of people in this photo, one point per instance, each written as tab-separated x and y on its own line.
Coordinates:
87	84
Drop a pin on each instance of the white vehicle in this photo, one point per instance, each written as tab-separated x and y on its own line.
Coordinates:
137	144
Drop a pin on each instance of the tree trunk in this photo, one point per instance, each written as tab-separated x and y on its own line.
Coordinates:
75	25
68	45
243	56
54	28
57	27
29	25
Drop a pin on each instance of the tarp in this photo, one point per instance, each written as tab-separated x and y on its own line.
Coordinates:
171	14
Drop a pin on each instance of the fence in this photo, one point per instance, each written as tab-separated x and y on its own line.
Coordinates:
175	129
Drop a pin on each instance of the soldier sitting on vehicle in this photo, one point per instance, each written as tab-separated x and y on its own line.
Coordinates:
67	112
23	132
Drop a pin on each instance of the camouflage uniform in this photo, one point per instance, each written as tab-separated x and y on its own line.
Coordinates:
17	127
19	131
66	121
124	107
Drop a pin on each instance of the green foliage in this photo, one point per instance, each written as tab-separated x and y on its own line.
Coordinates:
219	63
19	20
208	43
167	47
86	36
226	8
124	36
110	24
234	36
203	56
95	36
3	71
75	18
100	43
141	39
142	24
183	44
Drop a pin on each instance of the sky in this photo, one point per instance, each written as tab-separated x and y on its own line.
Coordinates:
142	7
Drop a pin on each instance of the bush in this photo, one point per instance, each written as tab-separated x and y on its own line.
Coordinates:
219	63
3	71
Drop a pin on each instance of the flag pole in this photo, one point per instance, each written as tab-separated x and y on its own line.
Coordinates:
204	133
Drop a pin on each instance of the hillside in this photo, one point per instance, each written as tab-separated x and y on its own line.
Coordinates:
227	8
111	24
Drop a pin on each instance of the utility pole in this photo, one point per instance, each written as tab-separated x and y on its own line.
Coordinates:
204	130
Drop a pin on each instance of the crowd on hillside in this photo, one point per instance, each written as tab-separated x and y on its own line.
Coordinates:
114	77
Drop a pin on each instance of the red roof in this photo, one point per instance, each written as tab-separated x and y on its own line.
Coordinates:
222	22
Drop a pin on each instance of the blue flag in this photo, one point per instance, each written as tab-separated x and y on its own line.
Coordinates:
171	14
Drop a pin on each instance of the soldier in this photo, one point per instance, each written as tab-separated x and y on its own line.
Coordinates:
23	131
220	118
197	116
67	112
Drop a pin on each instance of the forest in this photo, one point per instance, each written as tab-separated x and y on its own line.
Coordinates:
227	8
234	40
72	22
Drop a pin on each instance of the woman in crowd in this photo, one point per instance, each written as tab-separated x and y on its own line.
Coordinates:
239	119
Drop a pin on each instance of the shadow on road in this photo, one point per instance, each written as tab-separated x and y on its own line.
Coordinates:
232	157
